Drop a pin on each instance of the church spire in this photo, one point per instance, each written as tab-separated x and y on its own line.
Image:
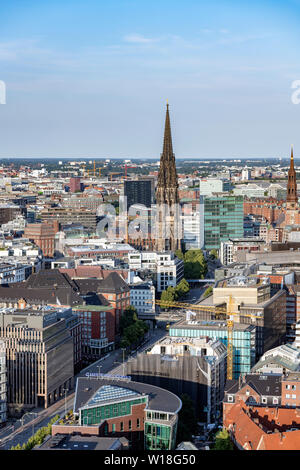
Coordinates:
292	198
167	196
167	176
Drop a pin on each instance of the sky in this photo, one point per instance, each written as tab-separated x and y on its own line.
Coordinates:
90	78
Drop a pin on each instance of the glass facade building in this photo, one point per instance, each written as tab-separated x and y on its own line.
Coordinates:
223	219
244	341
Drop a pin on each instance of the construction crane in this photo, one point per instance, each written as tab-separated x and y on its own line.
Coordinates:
125	167
114	173
227	313
94	170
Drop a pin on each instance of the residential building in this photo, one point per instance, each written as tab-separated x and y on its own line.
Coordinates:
142	298
43	235
232	248
263	428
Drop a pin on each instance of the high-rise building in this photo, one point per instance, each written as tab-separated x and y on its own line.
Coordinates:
223	219
167	197
138	192
75	184
39	357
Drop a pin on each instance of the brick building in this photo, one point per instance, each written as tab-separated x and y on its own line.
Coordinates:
263	428
43	235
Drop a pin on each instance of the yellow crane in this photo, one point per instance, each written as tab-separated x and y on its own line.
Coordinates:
227	313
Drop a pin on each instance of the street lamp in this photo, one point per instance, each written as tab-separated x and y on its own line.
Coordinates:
99	369
65	390
123	349
29	413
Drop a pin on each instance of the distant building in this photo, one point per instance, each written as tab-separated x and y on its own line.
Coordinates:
208	186
43	235
138	192
75	184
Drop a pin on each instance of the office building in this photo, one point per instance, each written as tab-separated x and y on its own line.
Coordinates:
244	339
192	366
223	219
138	192
39	357
118	407
208	186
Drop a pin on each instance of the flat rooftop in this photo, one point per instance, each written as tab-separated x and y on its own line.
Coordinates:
159	399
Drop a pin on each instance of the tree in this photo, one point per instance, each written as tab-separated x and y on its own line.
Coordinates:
132	329
127	318
223	441
179	254
187	421
213	253
195	266
182	288
208	292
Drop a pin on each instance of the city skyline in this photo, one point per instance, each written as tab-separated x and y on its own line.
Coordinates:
93	79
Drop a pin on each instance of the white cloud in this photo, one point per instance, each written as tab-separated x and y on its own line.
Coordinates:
139	39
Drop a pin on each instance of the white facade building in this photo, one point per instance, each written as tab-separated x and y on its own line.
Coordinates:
168	268
142	297
208	186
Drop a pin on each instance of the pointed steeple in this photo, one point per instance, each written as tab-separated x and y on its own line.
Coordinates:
292	198
167	148
167	196
167	176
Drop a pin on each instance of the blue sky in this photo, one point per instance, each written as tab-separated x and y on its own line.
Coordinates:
91	78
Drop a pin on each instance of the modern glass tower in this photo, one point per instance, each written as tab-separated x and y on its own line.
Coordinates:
223	219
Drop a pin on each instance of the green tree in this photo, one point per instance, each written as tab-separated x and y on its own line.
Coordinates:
182	288
179	254
213	253
187	420
195	266
208	292
223	441
132	329
168	295
127	318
